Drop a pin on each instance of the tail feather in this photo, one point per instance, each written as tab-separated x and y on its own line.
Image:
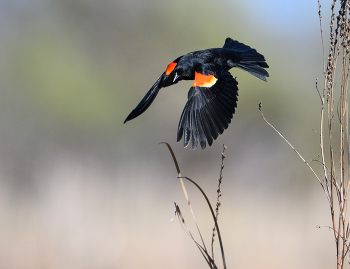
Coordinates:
251	62
237	46
255	70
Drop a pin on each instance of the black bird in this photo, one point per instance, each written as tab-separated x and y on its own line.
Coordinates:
212	99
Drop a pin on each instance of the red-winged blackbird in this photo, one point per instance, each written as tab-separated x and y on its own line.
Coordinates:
212	99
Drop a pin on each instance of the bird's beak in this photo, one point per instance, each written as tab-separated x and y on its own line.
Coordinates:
175	77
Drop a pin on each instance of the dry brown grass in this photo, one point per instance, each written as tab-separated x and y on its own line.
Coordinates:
334	137
209	258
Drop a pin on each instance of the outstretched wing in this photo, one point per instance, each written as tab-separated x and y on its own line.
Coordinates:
147	100
166	79
212	101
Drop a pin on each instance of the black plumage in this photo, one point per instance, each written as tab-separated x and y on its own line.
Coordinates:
212	99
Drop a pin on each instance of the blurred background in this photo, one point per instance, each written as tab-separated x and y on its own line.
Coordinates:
79	189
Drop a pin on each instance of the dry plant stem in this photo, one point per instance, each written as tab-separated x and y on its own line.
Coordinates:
301	157
327	74
339	44
184	189
337	187
319	14
218	198
322	112
213	215
203	250
342	160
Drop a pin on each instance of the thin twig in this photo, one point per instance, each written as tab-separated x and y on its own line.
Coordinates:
301	157
320	17
184	190
187	230
218	204
213	215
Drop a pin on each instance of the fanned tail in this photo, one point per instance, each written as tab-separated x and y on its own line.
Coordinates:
251	62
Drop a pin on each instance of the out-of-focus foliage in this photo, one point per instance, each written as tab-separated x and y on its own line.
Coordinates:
79	189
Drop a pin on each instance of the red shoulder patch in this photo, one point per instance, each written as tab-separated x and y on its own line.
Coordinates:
170	68
201	80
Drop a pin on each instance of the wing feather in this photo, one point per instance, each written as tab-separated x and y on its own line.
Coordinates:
208	111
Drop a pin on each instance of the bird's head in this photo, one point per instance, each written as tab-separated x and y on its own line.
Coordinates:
183	71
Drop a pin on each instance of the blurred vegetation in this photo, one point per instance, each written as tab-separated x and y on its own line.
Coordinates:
84	65
71	71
